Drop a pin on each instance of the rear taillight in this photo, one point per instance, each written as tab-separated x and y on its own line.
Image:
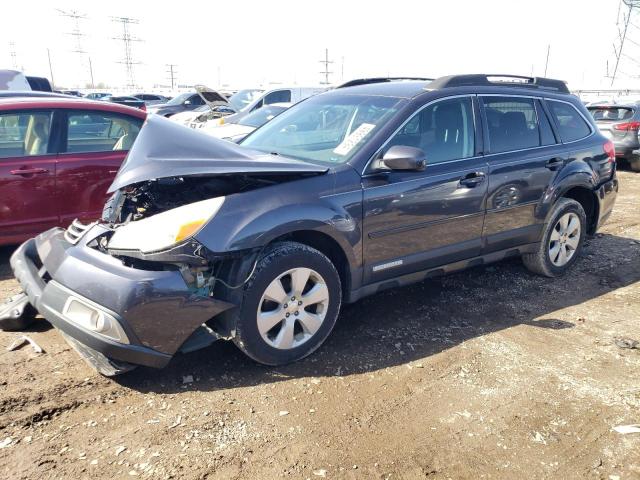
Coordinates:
627	127
610	150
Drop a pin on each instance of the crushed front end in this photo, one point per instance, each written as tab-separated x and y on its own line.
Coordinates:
118	313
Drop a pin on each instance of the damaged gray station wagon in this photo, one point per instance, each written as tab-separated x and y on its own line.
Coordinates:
347	193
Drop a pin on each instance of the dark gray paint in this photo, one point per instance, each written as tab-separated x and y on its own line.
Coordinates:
428	222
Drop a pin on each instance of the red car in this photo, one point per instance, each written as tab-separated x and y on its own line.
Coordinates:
58	156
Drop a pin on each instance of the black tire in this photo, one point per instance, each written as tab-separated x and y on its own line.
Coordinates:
634	165
540	262
278	259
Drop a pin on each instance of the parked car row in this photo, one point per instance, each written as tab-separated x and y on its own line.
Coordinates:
342	195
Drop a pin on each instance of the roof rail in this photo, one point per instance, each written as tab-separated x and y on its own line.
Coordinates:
498	79
367	81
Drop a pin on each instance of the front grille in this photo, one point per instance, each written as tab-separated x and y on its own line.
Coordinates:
76	230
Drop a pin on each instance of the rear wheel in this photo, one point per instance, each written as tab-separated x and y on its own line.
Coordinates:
634	164
290	305
562	240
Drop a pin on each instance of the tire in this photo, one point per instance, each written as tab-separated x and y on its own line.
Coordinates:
559	238
273	329
634	165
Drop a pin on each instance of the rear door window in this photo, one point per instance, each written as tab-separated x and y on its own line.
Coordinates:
94	131
569	122
24	134
512	123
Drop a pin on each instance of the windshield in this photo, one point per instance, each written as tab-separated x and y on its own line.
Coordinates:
612	114
179	100
326	129
243	98
261	116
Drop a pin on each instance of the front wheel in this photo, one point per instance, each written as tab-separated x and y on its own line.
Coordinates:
562	240
290	304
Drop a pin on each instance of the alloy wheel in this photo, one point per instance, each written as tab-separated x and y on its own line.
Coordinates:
564	239
292	308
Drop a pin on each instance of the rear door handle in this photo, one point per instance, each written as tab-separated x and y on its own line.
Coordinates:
28	171
554	163
472	179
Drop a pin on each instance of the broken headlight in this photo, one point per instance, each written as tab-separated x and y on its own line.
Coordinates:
165	229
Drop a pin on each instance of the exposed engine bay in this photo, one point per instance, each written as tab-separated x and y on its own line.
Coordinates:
155	196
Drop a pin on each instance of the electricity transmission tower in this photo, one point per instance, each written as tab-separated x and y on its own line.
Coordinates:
172	73
127	40
14	56
626	11
76	32
326	63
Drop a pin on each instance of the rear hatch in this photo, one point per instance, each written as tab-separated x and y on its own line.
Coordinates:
615	121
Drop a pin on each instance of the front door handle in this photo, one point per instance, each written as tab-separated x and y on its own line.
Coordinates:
554	163
28	171
472	179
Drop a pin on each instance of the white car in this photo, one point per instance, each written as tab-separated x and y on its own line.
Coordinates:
236	131
246	101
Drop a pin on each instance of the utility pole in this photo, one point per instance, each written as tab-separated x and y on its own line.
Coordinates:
77	34
127	39
172	73
326	63
546	64
14	56
53	83
93	85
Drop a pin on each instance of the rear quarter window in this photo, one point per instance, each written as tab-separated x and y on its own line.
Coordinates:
570	123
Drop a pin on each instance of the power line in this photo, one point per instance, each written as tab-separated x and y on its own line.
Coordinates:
326	71
127	39
622	34
172	73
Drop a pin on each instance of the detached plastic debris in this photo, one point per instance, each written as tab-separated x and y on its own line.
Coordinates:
623	342
23	340
624	429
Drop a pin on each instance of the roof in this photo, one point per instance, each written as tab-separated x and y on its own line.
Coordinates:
11	103
402	89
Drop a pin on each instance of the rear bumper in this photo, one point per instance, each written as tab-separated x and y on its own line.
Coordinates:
155	309
606	194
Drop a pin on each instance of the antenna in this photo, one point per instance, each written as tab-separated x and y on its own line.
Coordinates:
326	62
172	73
75	17
127	39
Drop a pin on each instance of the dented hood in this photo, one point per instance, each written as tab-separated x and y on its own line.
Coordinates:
167	149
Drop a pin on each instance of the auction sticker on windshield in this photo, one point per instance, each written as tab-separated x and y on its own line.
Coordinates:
353	139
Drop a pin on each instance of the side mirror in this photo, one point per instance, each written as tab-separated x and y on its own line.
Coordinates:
403	157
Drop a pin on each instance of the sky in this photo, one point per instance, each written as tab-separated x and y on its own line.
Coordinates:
241	43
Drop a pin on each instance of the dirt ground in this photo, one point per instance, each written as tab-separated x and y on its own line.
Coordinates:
489	373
